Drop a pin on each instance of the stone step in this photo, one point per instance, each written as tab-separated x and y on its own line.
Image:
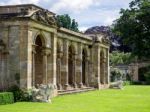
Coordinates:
74	89
79	90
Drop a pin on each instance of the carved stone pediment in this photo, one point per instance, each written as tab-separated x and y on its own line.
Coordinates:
43	16
29	11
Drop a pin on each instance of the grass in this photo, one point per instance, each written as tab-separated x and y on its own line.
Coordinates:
130	99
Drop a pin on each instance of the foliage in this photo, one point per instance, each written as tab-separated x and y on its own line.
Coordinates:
126	83
133	27
121	58
6	98
147	76
66	22
20	95
111	100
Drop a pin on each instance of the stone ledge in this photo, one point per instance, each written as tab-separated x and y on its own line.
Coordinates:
78	34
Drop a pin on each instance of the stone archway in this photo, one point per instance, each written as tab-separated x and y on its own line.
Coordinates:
102	68
39	61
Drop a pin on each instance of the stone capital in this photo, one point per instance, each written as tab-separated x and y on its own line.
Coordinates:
59	54
34	48
46	51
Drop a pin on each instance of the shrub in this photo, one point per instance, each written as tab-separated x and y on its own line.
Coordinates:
136	83
147	76
6	98
125	83
19	94
117	58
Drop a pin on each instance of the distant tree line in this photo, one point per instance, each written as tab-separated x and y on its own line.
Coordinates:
65	21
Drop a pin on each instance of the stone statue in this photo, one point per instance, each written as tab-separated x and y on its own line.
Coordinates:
43	93
117	85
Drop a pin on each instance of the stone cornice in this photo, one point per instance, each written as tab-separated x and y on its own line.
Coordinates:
73	33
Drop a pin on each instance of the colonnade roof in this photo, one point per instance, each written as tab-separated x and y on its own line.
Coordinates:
78	34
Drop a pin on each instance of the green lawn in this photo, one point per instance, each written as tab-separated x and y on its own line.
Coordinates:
130	99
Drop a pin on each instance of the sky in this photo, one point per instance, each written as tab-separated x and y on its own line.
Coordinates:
87	13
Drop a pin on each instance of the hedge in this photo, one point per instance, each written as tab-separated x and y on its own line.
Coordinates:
6	98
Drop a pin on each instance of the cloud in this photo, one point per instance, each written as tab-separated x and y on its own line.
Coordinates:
97	18
72	5
87	13
13	2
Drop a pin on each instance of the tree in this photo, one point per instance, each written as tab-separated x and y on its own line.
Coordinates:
133	27
66	22
117	58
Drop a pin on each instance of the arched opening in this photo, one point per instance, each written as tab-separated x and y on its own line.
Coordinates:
83	67
39	72
102	80
70	66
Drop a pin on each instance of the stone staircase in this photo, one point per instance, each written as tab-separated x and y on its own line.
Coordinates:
75	90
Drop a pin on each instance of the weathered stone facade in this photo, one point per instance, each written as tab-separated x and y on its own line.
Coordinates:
33	50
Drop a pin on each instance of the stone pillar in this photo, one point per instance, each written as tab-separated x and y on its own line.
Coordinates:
80	73
1	71
25	56
79	66
64	70
74	70
46	52
108	67
5	52
59	56
64	65
87	71
54	56
33	65
45	68
96	64
103	72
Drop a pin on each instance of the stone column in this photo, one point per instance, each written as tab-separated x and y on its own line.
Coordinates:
103	73
79	66
3	67
46	52
108	67
33	65
96	65
1	71
54	56
105	67
64	69
59	56
87	71
74	70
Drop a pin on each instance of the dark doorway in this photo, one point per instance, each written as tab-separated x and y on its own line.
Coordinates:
102	80
70	66
38	61
83	67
